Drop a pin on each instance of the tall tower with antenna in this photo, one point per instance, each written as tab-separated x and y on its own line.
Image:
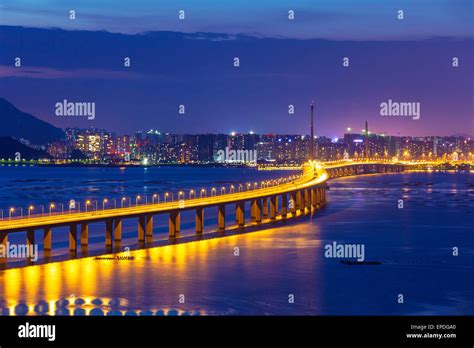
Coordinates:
366	141
311	140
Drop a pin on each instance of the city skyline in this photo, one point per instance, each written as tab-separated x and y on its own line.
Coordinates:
153	147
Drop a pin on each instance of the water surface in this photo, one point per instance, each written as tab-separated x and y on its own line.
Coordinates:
412	248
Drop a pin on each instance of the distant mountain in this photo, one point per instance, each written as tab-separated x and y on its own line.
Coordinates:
18	124
9	147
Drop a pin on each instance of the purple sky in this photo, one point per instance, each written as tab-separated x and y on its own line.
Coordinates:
280	65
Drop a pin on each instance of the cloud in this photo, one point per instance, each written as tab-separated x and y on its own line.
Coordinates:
50	73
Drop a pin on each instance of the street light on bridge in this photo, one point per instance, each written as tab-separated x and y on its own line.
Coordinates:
10	211
51	207
30	208
104	202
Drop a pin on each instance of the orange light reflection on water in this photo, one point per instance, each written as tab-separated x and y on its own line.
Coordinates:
90	279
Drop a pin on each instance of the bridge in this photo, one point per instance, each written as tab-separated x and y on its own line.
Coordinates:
296	195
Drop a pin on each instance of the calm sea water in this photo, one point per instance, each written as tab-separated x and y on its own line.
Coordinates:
412	247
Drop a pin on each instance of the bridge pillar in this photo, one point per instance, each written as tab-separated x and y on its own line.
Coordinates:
221	217
284	206
298	200
4	238
141	228
293	204
253	208
236	215
73	238
30	238
149	227
109	224
313	198
307	199
118	230
323	195
174	223
84	234
240	214
3	241
199	220
265	207
47	234
302	200
258	210
273	207
318	197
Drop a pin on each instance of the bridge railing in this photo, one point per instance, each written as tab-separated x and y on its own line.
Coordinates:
90	205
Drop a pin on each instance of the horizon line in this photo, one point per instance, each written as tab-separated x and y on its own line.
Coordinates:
254	35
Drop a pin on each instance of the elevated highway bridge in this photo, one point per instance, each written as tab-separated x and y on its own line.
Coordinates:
296	195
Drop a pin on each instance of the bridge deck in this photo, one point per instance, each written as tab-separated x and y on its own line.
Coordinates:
313	174
158	208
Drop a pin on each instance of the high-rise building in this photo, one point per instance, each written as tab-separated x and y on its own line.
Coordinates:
206	147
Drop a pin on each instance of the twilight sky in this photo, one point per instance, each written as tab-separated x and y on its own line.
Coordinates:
282	62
